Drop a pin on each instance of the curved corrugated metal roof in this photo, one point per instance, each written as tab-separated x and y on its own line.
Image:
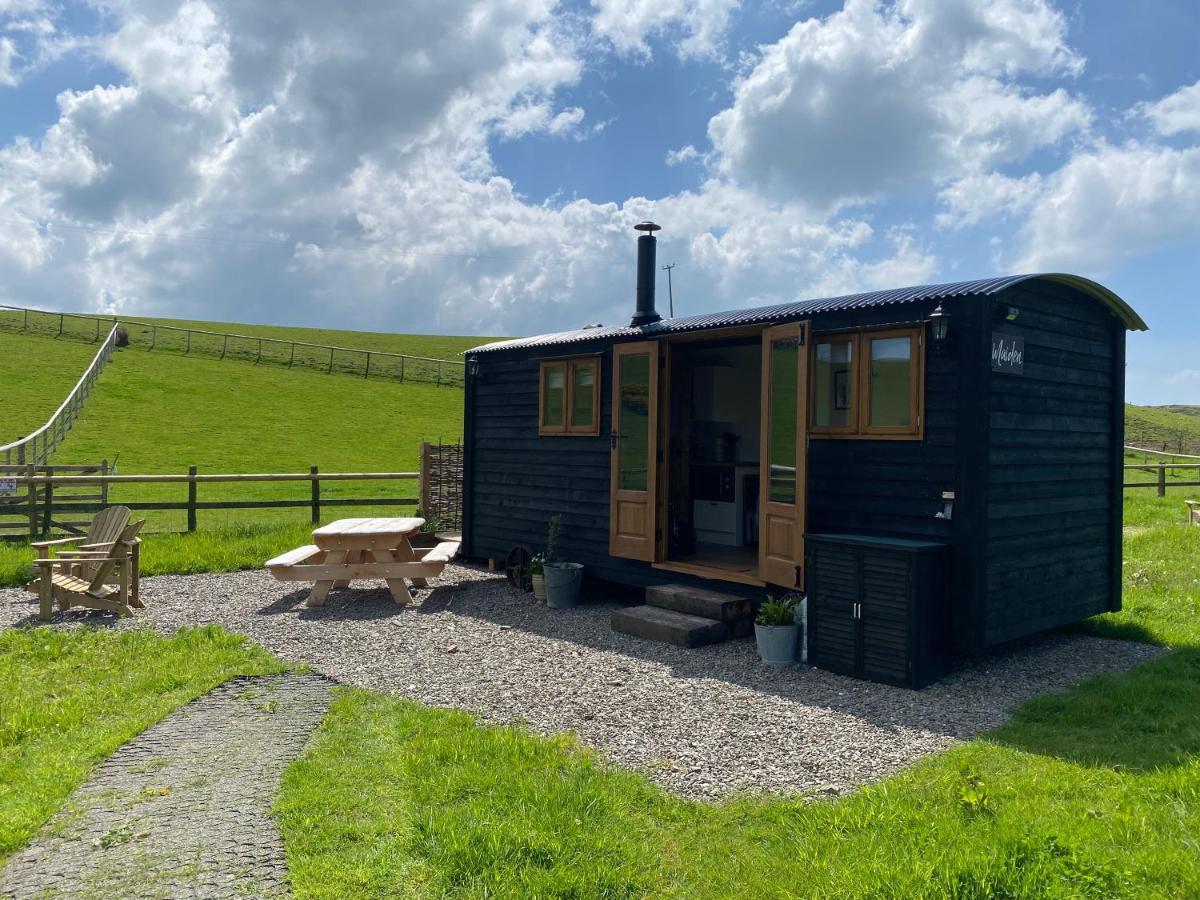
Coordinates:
785	312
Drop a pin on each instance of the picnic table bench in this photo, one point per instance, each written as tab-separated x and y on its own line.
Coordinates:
355	549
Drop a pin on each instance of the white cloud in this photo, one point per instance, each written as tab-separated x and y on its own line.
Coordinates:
306	163
685	154
877	97
697	27
1175	113
1110	203
8	59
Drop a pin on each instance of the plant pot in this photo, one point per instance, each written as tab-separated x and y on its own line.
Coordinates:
777	643
539	586
423	539
562	584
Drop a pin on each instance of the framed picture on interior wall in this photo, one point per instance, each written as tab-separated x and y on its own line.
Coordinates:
841	389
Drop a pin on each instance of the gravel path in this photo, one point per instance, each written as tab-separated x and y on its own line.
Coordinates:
703	722
184	809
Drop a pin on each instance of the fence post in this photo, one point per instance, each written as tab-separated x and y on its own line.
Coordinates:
25	327
1162	480
104	484
439	375
48	501
191	509
97	332
259	359
189	344
367	371
292	358
60	324
30	470
423	484
330	370
153	336
316	495
402	368
224	345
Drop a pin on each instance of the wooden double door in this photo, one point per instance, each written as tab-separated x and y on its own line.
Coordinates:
640	392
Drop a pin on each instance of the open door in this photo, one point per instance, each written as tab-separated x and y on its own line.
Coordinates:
633	490
784	452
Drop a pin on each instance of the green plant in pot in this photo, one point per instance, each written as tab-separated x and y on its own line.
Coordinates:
776	631
537	576
563	578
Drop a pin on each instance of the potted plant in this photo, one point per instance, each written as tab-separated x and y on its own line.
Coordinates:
776	631
562	578
537	576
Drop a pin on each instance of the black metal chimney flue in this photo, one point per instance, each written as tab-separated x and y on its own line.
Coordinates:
647	244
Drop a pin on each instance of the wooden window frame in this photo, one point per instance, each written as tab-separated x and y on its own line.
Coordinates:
860	428
568	366
914	430
850	429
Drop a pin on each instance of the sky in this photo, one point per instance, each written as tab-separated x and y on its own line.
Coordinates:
468	167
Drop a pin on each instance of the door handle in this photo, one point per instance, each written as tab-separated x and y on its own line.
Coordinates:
612	438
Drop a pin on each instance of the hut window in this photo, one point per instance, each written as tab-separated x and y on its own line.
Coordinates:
867	384
834	385
570	396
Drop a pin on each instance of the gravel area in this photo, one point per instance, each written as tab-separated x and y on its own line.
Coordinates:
703	722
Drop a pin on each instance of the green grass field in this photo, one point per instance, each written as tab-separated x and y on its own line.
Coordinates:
1160	424
159	412
36	374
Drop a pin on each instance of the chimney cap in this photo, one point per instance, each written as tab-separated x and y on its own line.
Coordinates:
648	227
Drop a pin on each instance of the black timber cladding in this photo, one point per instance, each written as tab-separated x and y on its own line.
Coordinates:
1053	465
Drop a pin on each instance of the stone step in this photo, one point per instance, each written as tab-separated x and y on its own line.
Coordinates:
699	602
668	626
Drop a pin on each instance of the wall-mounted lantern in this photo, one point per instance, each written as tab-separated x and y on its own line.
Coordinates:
939	322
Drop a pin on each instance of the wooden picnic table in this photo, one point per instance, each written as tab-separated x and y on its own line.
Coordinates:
354	549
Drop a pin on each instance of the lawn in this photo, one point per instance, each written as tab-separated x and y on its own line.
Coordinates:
1092	793
70	698
36	374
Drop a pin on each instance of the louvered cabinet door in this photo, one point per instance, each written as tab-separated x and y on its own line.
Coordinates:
834	640
886	599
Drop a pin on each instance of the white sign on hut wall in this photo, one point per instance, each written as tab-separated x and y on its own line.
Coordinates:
1008	353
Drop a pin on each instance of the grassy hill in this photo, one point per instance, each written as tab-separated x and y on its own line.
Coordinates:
36	373
1179	430
159	412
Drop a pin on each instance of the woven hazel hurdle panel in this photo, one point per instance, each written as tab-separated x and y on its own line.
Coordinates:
442	484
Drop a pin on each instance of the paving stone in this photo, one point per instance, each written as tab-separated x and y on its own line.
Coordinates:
184	809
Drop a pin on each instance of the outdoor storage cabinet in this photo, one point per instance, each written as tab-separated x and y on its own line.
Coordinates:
877	607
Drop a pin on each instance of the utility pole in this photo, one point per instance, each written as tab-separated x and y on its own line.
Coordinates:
670	291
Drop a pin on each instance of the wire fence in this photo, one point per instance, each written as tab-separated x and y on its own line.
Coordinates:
228	345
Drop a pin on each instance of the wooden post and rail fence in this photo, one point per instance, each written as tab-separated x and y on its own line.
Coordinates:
36	499
1162	469
229	345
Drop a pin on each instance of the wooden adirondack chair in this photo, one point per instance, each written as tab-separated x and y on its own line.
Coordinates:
105	528
58	580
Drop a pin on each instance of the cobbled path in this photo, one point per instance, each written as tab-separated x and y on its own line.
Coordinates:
183	810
